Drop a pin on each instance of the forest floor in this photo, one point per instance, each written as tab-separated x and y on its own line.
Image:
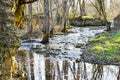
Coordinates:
104	49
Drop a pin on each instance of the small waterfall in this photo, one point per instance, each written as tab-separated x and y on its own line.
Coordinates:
39	67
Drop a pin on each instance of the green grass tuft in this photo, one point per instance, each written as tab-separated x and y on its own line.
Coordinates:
108	46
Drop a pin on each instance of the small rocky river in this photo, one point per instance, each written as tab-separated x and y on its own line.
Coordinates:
60	59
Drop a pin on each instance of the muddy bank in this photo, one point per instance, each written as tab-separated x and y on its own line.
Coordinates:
86	22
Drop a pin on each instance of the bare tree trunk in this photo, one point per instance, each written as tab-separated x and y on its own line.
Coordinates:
30	28
65	13
96	4
8	39
102	13
82	8
73	8
55	19
76	8
46	23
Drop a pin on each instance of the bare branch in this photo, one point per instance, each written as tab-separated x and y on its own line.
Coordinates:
27	2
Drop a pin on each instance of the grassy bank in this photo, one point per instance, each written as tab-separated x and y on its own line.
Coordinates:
107	46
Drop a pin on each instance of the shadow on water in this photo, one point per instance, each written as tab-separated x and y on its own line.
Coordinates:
60	63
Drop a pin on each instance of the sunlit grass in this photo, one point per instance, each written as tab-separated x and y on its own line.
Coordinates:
107	46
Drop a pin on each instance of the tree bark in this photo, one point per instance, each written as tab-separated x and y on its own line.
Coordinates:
102	13
82	8
55	19
46	23
8	39
30	28
64	15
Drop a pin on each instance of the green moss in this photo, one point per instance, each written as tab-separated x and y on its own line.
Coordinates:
107	43
111	44
108	46
116	57
101	56
111	50
108	56
98	48
118	34
117	40
99	39
87	17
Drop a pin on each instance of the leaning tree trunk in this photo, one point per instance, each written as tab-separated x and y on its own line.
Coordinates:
46	23
8	40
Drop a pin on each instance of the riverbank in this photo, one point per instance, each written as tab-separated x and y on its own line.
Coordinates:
104	49
86	21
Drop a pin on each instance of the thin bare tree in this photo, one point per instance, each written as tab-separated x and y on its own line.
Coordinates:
66	8
46	23
30	28
55	18
102	13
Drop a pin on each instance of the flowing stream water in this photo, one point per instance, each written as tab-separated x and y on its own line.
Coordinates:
59	60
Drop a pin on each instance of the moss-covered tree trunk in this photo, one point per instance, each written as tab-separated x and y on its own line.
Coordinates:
8	40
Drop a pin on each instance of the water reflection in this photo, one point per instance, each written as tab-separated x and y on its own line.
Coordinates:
40	67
